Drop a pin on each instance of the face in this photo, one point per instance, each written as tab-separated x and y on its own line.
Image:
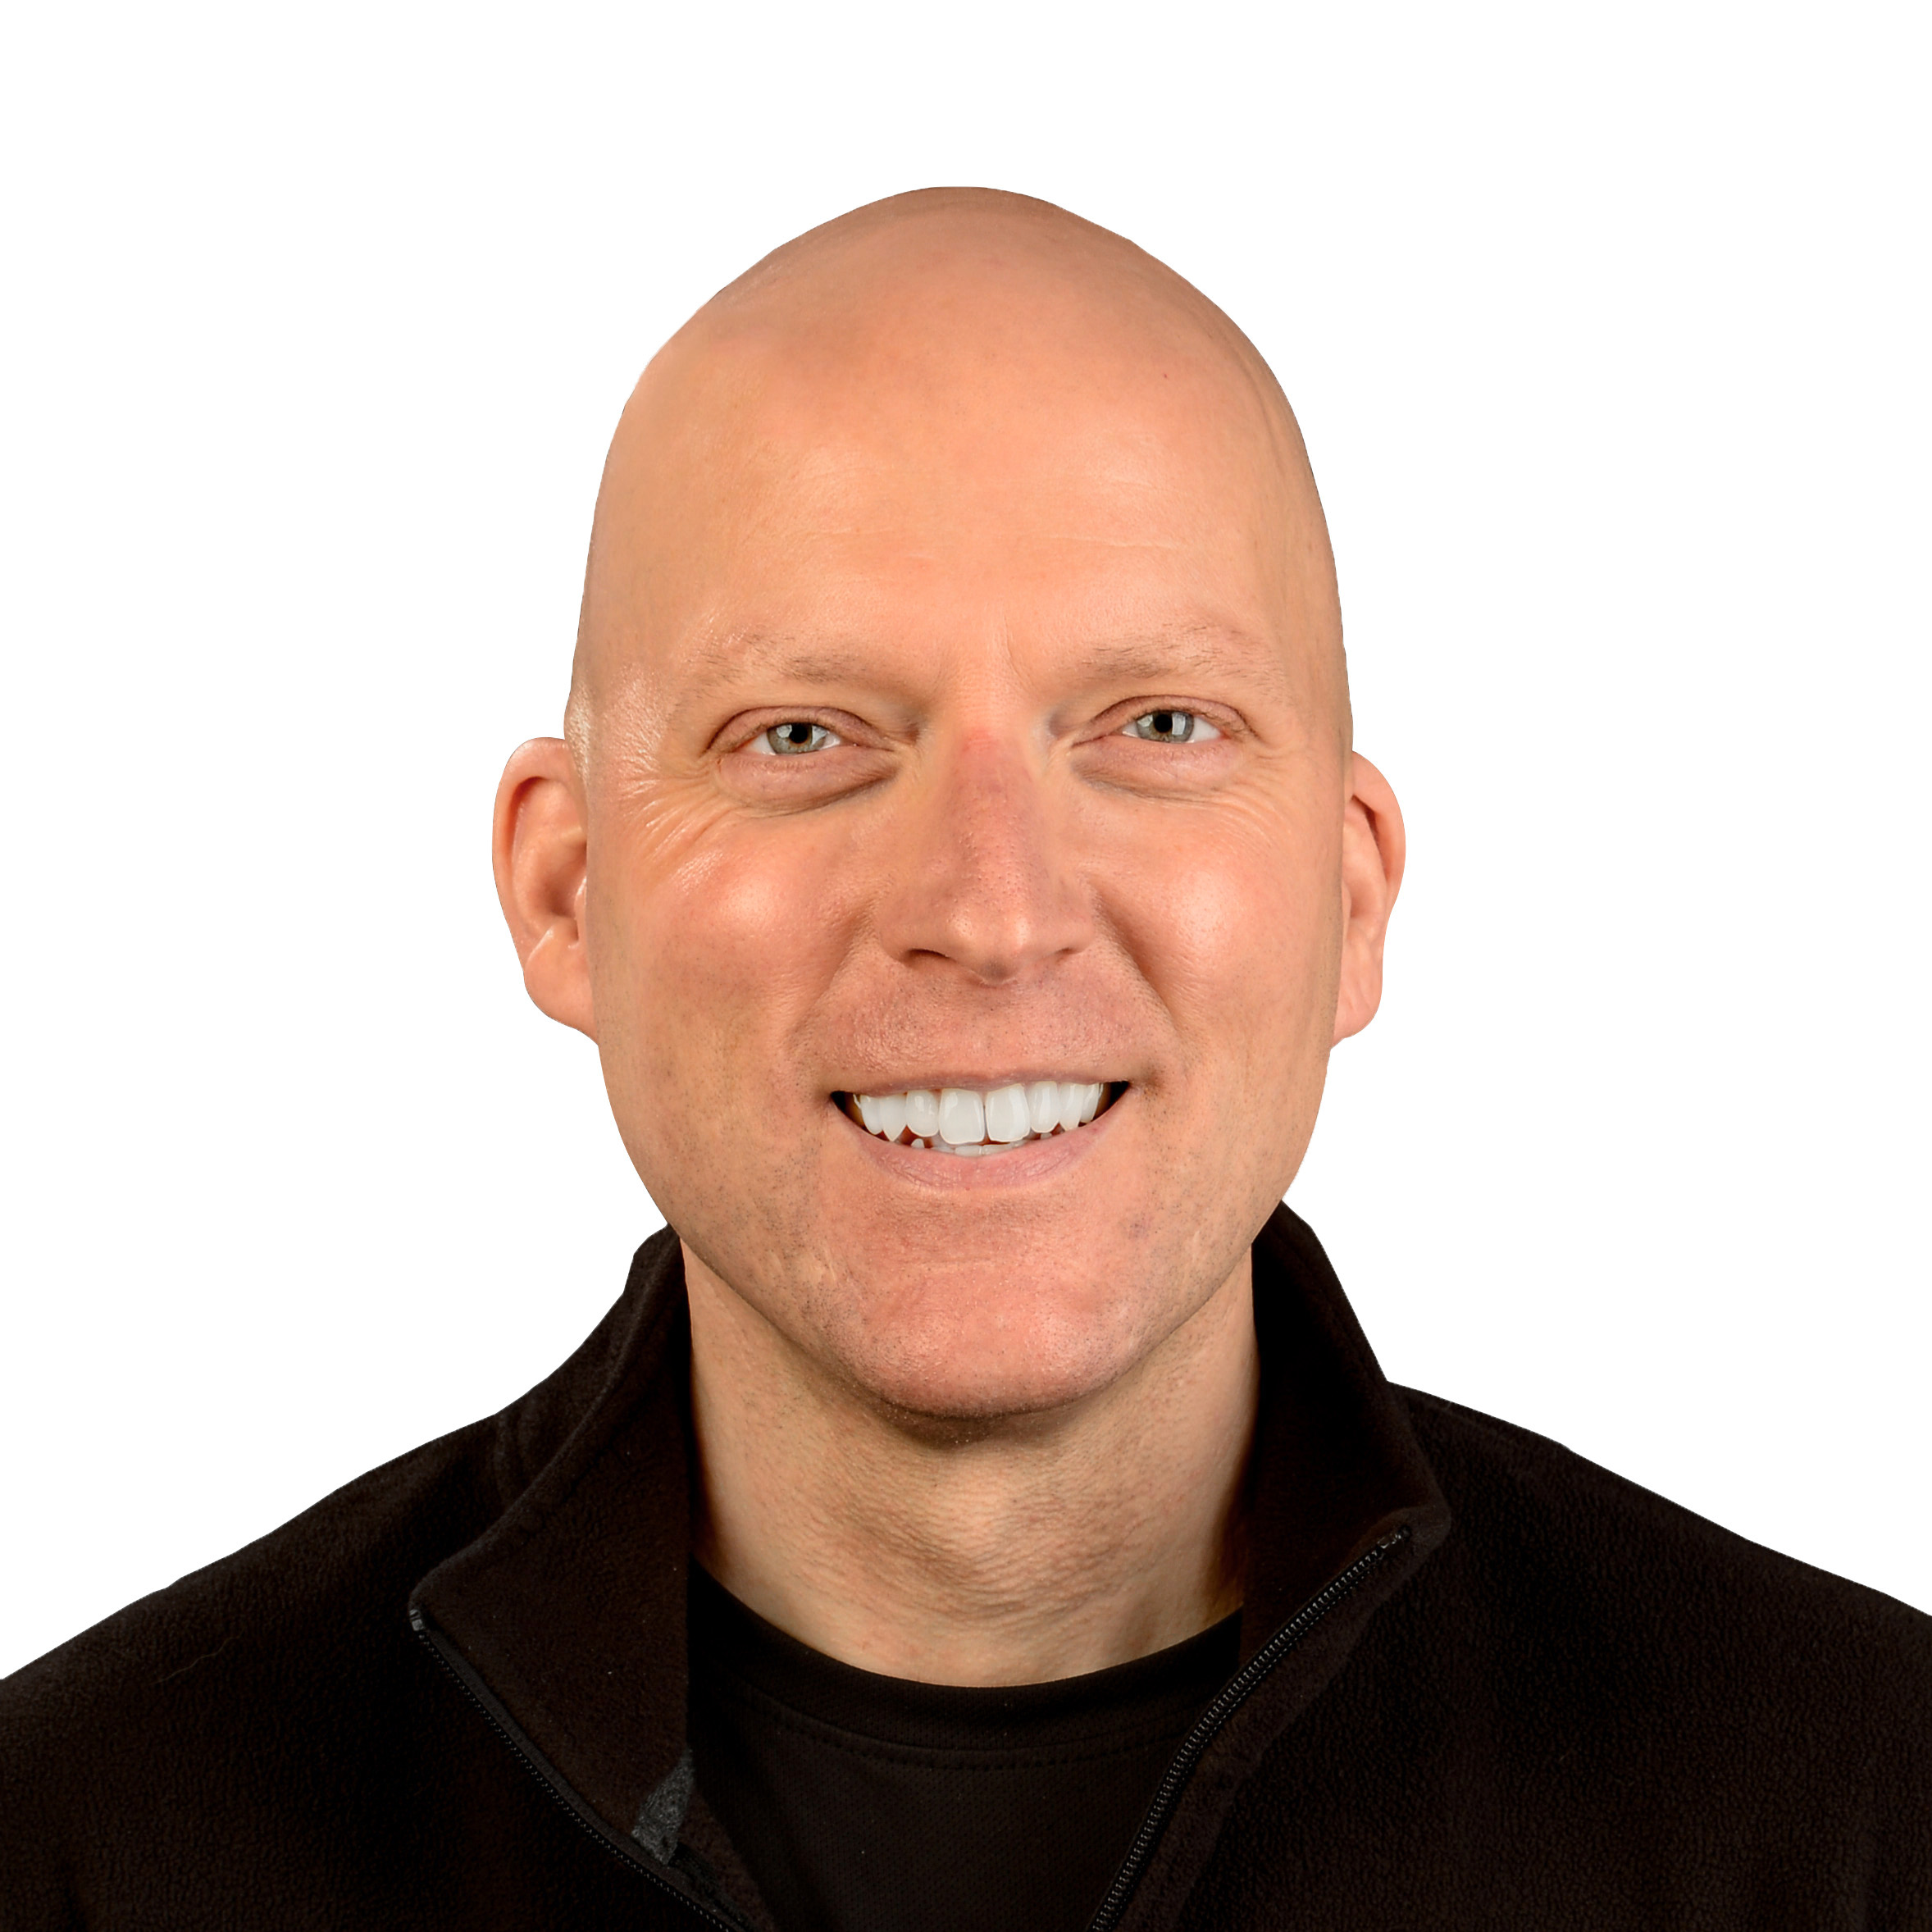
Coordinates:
962	733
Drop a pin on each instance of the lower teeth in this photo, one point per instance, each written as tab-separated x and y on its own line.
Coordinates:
974	1148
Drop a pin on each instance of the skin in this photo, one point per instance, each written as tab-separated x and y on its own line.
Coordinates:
970	486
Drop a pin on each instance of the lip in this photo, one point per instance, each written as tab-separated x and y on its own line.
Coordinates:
1022	1164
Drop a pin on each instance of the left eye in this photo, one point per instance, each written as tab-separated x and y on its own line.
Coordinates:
1170	728
795	736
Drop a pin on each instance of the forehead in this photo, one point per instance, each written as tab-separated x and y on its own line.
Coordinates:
784	500
981	430
829	493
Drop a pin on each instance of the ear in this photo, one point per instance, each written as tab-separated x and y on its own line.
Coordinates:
539	846
1372	854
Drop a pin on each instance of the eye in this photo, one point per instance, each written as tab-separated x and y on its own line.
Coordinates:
1170	728
795	736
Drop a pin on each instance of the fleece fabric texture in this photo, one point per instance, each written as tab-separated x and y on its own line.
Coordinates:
453	1695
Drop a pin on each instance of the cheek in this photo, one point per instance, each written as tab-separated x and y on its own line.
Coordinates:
713	955
1238	931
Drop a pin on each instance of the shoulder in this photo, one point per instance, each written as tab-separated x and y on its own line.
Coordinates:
320	1580
195	1713
1606	1584
272	1722
344	1565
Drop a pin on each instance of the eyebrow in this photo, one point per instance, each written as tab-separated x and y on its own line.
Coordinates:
1184	650
741	653
1187	648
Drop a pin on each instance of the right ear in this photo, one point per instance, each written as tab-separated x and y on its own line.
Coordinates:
539	845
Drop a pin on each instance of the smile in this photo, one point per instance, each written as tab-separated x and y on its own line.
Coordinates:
975	1122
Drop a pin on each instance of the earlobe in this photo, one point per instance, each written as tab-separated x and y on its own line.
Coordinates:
1373	852
539	846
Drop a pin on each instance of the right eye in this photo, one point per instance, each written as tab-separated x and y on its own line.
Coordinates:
796	735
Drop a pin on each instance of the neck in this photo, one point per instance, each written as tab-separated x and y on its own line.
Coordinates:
1015	1550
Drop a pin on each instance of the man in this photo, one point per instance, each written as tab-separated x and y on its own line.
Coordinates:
983	1510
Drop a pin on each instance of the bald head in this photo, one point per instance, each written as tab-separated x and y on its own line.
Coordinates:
971	356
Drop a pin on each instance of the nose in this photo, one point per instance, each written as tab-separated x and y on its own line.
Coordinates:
983	873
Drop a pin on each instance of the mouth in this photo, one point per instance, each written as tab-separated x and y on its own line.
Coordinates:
978	1122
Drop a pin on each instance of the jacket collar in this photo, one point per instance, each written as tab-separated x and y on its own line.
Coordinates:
1336	1466
569	1610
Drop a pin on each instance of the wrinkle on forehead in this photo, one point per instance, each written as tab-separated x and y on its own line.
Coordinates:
957	319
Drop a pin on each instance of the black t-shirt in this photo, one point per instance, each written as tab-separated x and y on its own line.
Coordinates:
861	1803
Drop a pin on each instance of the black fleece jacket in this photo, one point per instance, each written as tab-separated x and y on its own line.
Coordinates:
1483	1683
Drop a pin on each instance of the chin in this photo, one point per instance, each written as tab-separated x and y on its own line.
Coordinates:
967	1352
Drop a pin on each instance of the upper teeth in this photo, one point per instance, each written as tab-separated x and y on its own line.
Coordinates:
963	1119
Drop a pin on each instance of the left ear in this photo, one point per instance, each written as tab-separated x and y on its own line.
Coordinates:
1372	854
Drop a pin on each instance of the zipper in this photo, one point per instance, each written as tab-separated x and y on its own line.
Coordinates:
1231	1696
533	1761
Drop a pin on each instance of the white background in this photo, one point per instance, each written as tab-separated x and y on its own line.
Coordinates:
1607	326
